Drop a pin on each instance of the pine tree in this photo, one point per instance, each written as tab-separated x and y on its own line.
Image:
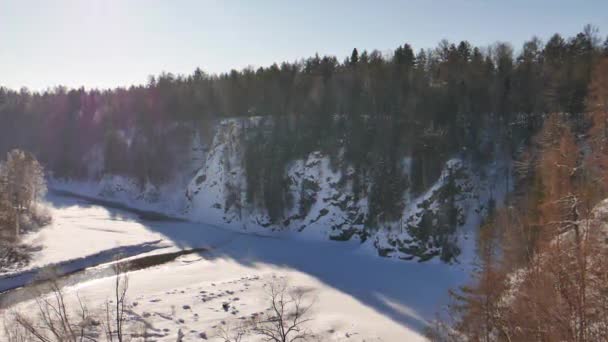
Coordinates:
354	57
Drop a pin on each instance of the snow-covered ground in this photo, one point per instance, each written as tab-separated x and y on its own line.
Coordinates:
72	236
357	297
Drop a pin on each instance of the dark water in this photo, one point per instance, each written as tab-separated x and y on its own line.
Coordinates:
35	289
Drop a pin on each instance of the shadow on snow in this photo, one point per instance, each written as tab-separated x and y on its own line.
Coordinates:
410	293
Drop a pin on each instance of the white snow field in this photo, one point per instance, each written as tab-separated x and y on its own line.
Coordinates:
357	296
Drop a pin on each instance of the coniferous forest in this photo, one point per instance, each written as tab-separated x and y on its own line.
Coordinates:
374	107
541	271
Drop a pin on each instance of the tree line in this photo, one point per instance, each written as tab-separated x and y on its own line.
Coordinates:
367	112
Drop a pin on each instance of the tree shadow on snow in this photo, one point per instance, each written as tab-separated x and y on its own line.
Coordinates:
409	293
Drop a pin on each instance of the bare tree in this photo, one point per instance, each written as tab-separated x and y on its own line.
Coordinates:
233	333
288	314
54	321
115	317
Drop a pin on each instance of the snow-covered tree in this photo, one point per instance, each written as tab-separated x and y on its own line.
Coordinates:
22	184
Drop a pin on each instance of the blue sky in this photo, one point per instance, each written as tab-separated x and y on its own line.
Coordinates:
106	43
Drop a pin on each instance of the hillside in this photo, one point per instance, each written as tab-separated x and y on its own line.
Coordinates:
437	223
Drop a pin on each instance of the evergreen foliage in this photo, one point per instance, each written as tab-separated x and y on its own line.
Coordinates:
370	113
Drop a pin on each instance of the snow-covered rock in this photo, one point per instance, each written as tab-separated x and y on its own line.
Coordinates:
438	223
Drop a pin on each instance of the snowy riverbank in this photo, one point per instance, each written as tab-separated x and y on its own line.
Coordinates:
357	295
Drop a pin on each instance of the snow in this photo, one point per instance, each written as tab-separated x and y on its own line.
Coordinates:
70	237
50	270
168	198
211	189
220	171
356	295
164	292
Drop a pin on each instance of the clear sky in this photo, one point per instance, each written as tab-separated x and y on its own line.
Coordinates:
105	43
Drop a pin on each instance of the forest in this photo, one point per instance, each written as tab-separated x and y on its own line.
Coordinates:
541	269
370	110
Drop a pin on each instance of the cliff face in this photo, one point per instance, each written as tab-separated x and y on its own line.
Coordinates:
437	223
